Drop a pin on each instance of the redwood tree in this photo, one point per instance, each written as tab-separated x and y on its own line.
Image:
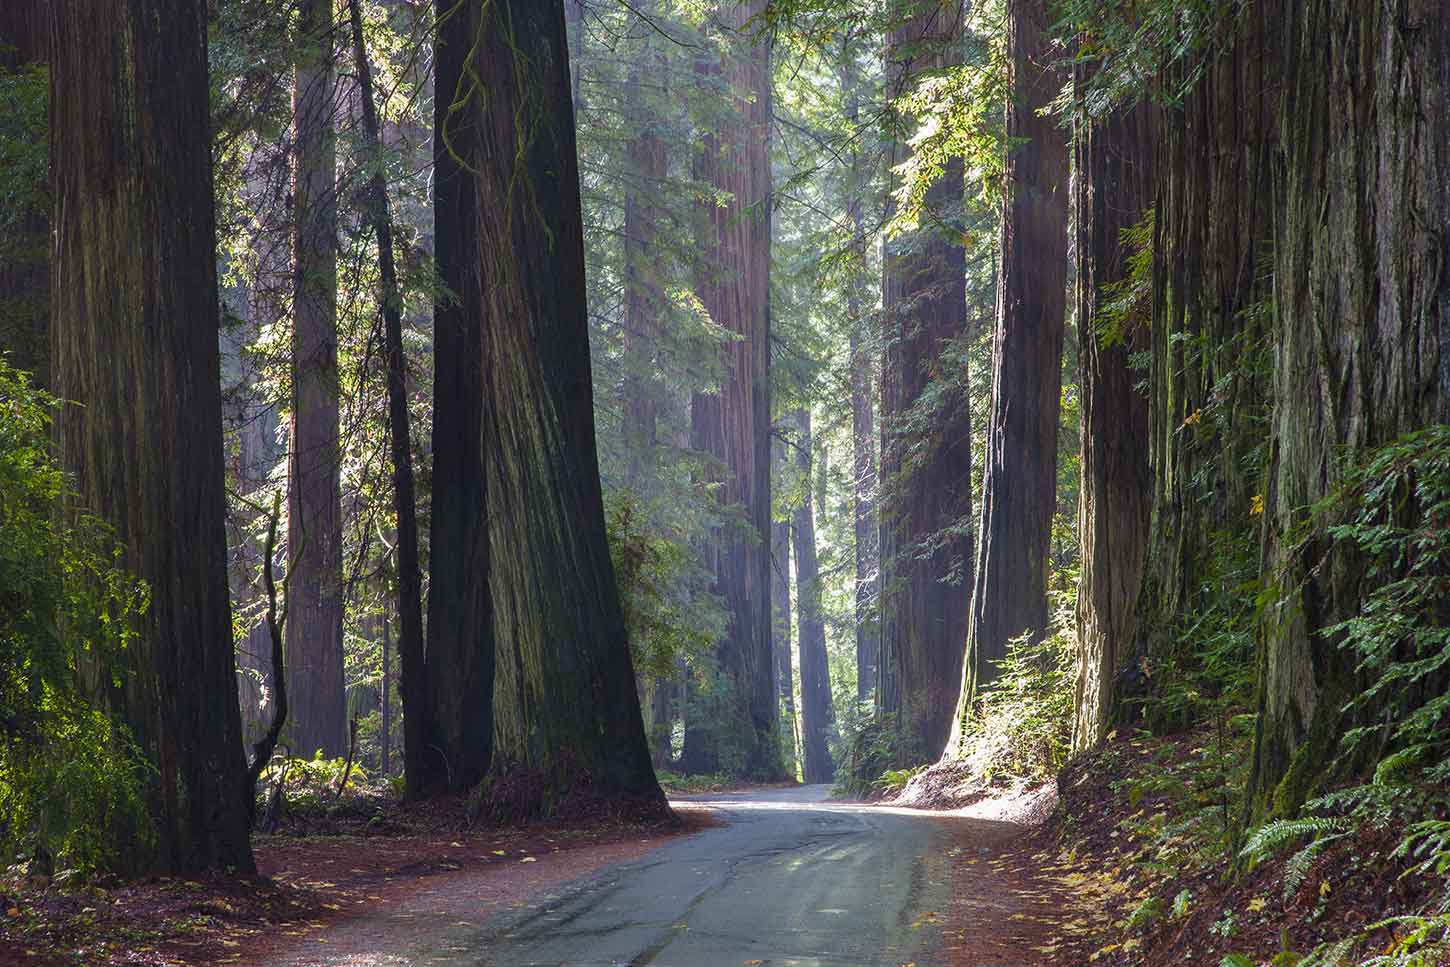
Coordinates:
1114	187
926	440
1019	490
565	703
817	712
448	697
314	518
733	424
134	344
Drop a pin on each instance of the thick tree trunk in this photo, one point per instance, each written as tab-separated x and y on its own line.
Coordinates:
1114	188
314	507
1359	282
926	500
134	299
817	713
1019	490
733	425
565	699
1208	384
25	233
448	703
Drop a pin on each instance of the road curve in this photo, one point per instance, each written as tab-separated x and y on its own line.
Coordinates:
792	879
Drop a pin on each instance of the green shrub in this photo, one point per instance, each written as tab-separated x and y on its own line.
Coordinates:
68	774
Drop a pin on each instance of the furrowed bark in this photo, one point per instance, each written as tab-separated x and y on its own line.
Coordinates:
925	498
1114	187
565	699
448	702
134	343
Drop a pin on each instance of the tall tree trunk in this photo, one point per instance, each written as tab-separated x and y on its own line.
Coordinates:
1019	489
565	699
734	425
817	712
409	577
926	501
780	622
1362	314
25	230
134	301
448	702
863	416
1114	187
314	518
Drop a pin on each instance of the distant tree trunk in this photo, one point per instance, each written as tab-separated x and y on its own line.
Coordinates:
448	702
1019	490
405	509
863	416
134	302
734	425
926	501
565	699
25	241
817	712
1363	314
314	518
644	299
385	712
780	621
1114	186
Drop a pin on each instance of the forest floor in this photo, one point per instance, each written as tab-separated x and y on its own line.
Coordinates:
323	869
1132	866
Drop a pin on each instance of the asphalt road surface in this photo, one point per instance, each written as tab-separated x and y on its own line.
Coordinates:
792	879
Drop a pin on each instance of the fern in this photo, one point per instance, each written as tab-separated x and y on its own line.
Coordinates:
1278	835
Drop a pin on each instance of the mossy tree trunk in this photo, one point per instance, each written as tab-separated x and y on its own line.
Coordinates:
1208	376
1114	188
1360	293
1019	488
448	697
817	712
134	344
565	703
733	424
926	450
315	684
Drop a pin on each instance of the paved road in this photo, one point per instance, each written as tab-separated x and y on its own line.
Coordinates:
791	880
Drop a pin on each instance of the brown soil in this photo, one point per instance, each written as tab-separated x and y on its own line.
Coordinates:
310	884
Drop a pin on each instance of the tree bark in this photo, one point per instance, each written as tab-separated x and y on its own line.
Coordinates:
817	712
25	232
1019	490
926	449
134	343
448	700
733	425
314	517
1114	189
1361	212
565	699
780	623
